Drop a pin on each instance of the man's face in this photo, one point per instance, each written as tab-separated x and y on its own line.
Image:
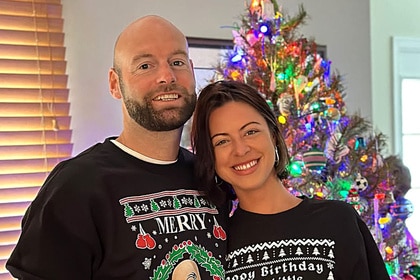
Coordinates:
166	118
156	78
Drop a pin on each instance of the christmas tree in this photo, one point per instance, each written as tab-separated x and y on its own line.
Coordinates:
333	155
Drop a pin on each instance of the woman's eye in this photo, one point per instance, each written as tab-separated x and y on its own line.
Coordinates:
220	142
251	132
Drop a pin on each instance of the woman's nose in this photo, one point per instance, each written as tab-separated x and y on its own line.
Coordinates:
241	147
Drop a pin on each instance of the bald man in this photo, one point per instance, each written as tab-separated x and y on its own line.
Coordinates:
128	208
154	77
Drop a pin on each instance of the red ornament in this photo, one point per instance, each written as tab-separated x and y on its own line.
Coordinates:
408	277
380	196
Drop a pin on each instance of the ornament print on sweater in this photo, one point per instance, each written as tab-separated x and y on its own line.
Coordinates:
159	220
293	259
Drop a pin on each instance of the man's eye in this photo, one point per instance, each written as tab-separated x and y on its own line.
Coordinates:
178	63
144	66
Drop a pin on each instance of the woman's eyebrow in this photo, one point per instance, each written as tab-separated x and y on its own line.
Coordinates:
242	128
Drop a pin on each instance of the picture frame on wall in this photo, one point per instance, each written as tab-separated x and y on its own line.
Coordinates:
205	54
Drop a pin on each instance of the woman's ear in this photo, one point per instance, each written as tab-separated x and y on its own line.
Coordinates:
274	140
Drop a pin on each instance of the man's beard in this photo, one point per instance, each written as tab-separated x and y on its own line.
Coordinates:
165	119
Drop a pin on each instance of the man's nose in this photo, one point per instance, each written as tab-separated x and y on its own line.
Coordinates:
166	75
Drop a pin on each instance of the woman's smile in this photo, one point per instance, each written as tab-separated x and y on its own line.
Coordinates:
245	166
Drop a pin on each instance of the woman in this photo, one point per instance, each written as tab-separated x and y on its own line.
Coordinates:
272	234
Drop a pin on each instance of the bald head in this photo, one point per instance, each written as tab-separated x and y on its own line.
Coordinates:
146	29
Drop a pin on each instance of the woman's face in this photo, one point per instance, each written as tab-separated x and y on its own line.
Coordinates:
243	147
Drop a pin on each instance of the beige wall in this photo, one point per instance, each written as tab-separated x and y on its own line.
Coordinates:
388	19
91	27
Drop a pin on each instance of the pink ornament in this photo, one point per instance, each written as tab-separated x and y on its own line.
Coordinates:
251	38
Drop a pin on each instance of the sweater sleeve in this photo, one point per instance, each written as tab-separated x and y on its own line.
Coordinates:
376	263
58	239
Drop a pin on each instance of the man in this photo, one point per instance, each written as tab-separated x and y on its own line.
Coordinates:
128	208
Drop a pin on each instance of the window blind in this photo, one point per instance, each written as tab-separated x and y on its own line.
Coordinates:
35	130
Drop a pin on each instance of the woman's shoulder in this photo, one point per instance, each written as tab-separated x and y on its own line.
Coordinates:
329	205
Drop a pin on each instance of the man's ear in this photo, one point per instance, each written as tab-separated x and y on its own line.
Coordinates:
114	84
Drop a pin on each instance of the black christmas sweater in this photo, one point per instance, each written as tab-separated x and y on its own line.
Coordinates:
105	214
318	239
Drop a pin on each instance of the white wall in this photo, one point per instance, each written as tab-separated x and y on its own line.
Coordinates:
388	19
91	27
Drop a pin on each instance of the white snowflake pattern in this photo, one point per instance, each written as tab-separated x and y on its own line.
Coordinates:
144	207
203	201
133	228
190	201
136	208
169	202
163	203
330	266
147	263
184	200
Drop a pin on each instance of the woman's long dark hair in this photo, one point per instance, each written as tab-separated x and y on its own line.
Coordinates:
214	96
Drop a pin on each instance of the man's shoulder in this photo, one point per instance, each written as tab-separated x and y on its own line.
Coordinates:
84	163
186	154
